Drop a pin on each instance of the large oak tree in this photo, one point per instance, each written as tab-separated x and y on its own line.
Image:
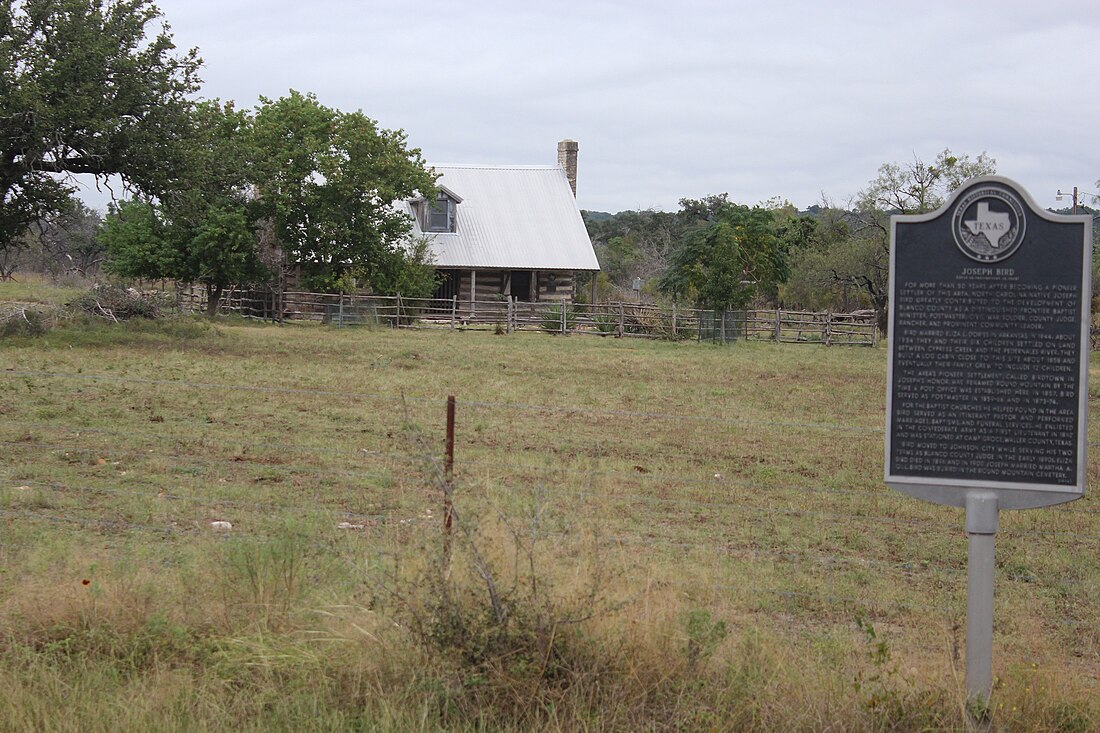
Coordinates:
86	86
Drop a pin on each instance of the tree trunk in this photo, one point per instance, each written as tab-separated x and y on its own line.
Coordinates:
882	315
213	297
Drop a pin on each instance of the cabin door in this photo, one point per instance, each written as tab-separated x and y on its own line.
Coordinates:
447	286
521	284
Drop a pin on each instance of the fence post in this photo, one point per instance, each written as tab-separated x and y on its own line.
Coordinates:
449	477
622	320
397	320
511	314
454	310
778	324
673	321
562	306
280	297
723	324
827	337
340	313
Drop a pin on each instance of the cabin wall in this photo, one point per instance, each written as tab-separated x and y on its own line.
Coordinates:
556	287
553	286
490	284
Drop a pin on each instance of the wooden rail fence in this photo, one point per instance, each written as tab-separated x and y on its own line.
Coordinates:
507	315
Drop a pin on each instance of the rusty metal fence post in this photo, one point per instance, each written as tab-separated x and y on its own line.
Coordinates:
449	476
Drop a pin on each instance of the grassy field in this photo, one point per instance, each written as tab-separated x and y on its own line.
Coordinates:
649	536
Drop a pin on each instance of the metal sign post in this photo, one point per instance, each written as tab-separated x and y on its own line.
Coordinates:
988	366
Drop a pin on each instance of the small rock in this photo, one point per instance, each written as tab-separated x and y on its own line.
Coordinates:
221	525
349	525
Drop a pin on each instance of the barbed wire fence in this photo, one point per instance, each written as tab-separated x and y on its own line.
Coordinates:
799	547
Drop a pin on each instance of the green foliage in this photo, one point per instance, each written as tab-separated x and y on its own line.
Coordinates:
730	256
551	318
326	180
136	239
815	240
409	271
86	86
606	322
855	262
264	577
704	634
632	244
201	231
920	187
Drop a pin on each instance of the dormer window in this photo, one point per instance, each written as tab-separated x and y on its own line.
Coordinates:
439	215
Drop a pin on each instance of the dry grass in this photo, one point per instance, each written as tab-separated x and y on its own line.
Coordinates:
710	521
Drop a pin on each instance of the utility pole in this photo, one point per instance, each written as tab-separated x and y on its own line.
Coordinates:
1060	195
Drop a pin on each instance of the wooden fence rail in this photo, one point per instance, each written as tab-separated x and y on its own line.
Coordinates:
507	315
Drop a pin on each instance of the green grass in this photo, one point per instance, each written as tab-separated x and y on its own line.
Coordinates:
712	521
33	288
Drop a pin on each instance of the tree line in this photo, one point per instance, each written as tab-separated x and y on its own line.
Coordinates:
720	254
212	194
217	195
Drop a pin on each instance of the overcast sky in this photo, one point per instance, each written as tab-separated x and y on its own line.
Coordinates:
674	99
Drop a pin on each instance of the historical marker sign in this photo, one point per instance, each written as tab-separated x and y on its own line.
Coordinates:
989	344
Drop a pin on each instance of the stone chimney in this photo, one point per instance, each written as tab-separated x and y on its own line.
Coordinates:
567	161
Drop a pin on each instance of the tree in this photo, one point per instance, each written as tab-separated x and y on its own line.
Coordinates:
326	180
217	251
919	187
136	239
731	255
863	261
814	241
68	240
202	230
86	86
409	271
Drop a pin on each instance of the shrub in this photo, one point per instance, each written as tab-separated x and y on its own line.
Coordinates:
552	315
510	631
606	322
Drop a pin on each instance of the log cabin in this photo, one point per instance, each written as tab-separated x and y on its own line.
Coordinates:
512	231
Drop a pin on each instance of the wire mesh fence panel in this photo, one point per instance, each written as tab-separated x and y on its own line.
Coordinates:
506	314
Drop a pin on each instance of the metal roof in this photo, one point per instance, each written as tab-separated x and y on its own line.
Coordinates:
518	218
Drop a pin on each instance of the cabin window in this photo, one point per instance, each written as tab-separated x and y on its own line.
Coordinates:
552	283
439	215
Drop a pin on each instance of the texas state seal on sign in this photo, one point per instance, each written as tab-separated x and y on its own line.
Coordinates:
988	224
